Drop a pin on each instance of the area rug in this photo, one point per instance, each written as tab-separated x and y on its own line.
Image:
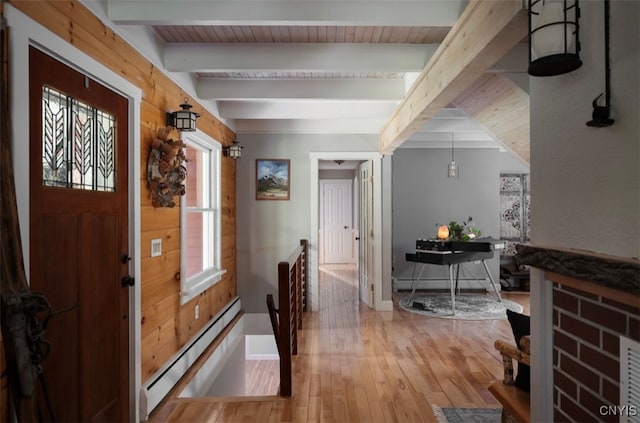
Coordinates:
468	306
467	415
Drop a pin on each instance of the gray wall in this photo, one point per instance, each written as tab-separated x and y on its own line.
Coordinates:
585	182
269	230
423	197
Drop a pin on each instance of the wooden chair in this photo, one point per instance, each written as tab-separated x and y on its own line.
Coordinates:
515	401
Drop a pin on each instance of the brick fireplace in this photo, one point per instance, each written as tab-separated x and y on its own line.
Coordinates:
593	301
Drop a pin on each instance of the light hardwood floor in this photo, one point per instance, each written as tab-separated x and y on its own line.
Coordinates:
358	365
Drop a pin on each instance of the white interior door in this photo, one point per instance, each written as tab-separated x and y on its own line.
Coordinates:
365	262
337	219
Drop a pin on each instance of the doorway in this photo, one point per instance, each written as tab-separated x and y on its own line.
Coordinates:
375	278
79	254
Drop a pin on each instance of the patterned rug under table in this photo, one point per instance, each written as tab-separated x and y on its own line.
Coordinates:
468	306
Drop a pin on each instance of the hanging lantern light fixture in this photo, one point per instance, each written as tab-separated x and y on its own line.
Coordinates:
452	168
554	42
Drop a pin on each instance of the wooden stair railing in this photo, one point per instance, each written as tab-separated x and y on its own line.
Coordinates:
273	316
287	320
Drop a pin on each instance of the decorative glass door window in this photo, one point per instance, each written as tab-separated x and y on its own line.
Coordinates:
78	144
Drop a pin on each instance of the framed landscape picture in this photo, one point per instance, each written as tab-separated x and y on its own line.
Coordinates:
272	179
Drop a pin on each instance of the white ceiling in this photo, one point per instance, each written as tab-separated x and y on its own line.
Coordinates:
302	66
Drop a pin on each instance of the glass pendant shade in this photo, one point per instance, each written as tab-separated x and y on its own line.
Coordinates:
550	37
452	170
452	167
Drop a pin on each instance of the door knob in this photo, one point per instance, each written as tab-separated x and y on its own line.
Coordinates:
127	281
357	238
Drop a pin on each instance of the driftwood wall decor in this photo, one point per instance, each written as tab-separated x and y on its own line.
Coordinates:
166	170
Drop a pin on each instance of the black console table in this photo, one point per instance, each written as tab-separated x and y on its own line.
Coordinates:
452	254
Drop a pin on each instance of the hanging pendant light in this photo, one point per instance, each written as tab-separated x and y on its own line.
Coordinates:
452	168
554	42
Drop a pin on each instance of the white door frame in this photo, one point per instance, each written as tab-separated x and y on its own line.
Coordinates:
26	32
315	157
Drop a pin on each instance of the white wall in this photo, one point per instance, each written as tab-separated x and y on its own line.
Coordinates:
585	182
337	174
268	231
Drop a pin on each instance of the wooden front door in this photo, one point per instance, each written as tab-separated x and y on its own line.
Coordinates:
79	238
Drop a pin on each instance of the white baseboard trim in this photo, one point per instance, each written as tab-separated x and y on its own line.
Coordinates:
159	385
387	305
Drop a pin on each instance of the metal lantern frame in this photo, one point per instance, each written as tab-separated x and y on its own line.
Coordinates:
234	150
183	120
569	59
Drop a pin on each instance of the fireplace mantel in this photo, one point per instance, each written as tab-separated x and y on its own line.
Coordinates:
583	306
610	271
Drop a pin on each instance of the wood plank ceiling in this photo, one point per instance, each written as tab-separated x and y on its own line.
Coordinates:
301	66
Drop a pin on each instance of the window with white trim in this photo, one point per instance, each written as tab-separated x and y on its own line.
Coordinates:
200	217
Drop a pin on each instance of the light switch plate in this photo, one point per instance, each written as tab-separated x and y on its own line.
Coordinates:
156	247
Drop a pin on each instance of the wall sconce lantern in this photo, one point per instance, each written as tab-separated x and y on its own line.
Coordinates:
554	42
183	120
234	150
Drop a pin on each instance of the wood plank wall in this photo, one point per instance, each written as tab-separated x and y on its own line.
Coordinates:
166	326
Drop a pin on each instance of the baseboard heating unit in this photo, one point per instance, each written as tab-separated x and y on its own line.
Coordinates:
166	377
629	408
